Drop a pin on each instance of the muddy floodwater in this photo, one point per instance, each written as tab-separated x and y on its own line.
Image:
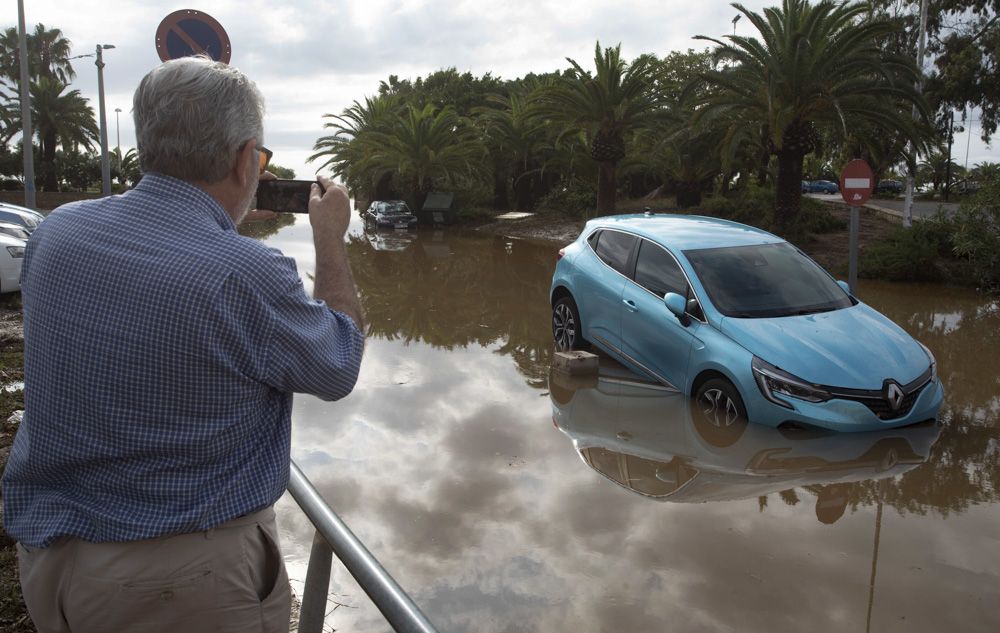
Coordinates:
502	503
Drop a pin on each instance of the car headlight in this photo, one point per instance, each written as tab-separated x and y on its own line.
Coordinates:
773	381
933	360
17	252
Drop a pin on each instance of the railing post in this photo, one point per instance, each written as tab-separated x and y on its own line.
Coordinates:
317	586
402	614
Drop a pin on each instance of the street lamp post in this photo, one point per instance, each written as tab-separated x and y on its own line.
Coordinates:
105	165
118	143
27	144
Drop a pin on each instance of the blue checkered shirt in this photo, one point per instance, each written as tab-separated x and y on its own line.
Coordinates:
161	351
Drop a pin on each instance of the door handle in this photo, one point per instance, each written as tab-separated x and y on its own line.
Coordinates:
630	305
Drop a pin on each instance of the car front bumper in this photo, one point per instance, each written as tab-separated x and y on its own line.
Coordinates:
844	415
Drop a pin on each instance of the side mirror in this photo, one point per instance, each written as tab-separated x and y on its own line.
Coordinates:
844	285
675	303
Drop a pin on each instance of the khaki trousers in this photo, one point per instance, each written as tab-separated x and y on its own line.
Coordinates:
231	578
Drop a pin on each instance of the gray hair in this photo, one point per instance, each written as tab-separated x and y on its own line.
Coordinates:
191	117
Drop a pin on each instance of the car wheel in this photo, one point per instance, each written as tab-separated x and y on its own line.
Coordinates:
567	329
720	416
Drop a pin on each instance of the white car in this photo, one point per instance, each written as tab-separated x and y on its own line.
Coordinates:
22	216
11	258
14	230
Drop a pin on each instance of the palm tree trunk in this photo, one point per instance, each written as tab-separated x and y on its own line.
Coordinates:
49	182
688	194
501	201
607	186
522	192
788	198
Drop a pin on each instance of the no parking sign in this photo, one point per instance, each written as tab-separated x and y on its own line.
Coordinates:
189	32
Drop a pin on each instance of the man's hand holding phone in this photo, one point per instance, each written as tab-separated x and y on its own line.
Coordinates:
329	208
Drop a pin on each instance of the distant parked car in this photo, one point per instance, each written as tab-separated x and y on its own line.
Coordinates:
11	258
823	186
889	186
14	230
22	216
393	214
742	321
806	187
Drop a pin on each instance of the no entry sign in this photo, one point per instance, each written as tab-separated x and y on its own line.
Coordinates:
188	32
856	182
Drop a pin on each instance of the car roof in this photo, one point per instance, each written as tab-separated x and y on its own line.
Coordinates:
6	206
686	232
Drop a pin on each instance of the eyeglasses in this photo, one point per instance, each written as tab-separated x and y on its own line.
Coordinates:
264	157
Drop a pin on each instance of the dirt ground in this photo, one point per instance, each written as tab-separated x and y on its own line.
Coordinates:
830	250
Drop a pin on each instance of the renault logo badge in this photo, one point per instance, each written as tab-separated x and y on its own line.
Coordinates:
894	395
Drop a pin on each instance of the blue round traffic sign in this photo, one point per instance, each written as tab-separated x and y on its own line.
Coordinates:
189	32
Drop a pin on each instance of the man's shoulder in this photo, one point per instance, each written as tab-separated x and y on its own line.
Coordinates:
253	261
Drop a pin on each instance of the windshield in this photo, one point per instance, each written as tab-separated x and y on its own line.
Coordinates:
766	280
394	208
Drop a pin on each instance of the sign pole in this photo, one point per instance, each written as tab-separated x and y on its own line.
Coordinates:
852	275
856	182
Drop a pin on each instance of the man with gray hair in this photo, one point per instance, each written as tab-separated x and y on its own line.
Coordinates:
161	353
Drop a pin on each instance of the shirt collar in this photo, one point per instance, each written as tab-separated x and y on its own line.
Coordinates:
163	186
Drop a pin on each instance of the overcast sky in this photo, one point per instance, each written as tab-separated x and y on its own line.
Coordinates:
311	57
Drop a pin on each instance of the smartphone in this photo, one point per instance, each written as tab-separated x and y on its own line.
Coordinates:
285	196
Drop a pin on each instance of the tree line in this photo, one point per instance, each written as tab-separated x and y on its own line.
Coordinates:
817	84
820	83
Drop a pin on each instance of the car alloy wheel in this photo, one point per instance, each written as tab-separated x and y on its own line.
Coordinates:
718	408
566	325
720	416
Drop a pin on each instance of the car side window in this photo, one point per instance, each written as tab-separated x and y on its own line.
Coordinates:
657	271
614	249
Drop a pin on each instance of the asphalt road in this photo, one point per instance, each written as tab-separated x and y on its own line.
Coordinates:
921	209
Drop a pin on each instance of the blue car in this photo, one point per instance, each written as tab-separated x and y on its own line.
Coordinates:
822	186
742	321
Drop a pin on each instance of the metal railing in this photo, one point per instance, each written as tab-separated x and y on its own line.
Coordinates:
333	536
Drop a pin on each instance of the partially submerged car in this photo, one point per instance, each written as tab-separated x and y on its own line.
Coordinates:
741	320
394	214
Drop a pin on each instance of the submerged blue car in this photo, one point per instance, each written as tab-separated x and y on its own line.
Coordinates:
742	321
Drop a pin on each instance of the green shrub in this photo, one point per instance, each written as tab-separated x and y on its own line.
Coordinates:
755	206
977	235
570	196
919	253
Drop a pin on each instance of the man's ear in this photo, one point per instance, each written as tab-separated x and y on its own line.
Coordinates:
246	157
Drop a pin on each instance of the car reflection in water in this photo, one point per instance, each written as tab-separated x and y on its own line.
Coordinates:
388	239
655	442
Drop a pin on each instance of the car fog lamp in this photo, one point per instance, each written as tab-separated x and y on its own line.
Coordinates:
773	382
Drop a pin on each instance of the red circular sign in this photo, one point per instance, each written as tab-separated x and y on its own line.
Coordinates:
856	182
190	32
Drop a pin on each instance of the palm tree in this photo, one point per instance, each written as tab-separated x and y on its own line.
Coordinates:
60	119
610	106
422	148
127	167
517	135
342	149
48	55
815	66
936	167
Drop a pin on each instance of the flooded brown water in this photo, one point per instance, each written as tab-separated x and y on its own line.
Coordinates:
605	506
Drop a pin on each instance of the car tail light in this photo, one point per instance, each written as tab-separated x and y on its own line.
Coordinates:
562	251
